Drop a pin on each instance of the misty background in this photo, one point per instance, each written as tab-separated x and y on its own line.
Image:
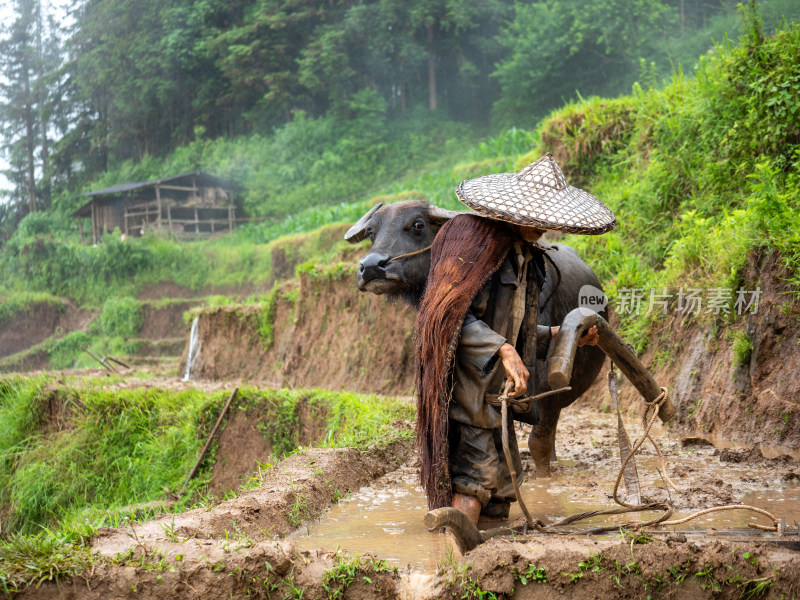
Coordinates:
310	102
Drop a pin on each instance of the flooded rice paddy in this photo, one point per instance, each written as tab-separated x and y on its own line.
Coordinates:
385	518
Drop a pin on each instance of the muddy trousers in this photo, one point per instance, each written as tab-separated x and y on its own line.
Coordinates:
478	466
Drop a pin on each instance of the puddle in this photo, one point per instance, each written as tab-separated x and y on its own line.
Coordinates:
386	518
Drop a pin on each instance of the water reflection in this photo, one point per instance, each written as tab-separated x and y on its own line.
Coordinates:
387	517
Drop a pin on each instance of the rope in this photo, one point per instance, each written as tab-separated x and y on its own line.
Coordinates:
651	412
504	416
408	254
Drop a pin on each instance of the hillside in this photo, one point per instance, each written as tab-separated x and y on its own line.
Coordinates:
704	266
703	274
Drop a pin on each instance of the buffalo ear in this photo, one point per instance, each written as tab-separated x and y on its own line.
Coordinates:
358	231
440	215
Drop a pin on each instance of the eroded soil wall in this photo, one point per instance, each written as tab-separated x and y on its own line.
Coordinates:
325	334
755	403
39	321
333	336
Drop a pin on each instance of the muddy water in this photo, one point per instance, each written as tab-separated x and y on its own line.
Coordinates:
386	518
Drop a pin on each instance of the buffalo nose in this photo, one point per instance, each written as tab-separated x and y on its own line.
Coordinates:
373	266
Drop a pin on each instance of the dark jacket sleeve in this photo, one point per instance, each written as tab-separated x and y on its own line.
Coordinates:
479	344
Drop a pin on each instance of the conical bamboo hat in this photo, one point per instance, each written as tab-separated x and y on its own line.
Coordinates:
538	196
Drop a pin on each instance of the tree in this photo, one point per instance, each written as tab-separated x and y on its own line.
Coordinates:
555	49
29	56
133	74
436	52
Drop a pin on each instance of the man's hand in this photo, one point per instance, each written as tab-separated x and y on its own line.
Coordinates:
515	369
590	337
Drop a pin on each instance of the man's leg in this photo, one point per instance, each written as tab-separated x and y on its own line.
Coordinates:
473	468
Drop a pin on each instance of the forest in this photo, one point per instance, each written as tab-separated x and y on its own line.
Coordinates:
680	115
310	102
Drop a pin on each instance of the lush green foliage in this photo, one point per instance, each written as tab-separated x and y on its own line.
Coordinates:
123	446
694	189
304	103
699	172
121	316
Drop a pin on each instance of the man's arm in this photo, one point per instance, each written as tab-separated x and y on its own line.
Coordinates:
516	369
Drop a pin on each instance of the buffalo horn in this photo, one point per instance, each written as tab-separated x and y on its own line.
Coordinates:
441	215
357	232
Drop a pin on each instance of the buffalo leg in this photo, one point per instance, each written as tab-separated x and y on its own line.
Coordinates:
542	439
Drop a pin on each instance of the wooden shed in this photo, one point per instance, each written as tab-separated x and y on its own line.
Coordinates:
188	205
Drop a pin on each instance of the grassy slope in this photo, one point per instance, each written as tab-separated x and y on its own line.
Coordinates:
700	173
74	452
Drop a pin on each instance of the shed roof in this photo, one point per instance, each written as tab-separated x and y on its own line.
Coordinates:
199	176
202	179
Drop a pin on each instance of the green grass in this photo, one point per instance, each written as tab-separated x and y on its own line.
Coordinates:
32	560
118	447
121	317
695	191
122	446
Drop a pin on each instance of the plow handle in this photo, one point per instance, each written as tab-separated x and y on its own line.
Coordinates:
576	323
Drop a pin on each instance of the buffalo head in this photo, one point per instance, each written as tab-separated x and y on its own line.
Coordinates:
397	230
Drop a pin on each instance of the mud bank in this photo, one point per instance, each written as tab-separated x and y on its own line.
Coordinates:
661	567
239	549
322	333
721	393
39	321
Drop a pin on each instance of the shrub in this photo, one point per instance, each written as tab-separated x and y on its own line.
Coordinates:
121	316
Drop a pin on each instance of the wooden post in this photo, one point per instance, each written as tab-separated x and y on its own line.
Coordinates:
208	441
196	221
169	220
230	218
158	198
94	222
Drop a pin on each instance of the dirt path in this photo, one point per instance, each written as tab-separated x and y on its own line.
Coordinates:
239	547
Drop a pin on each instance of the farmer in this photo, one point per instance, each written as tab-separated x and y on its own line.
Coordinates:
477	326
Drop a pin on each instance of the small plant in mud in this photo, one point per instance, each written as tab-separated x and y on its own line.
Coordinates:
706	579
641	538
752	559
463	583
695	408
531	574
142	559
742	348
593	564
169	531
753	588
300	511
347	569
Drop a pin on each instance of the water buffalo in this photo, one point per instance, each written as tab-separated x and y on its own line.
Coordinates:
397	230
